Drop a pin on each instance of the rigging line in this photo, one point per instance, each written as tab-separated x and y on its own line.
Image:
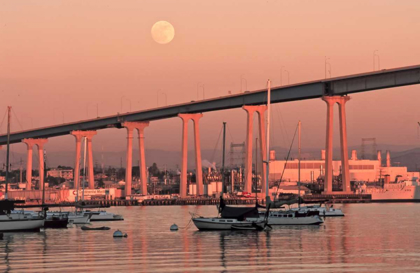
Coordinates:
1	124
281	127
230	134
215	147
21	127
287	159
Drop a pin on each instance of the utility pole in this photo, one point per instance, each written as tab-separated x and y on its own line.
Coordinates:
223	159
9	108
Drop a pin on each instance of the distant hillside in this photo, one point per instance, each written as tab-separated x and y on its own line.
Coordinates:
172	159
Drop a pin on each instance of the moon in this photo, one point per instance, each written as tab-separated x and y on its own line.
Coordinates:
163	32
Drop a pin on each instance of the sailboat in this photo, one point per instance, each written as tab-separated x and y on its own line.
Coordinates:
15	221
283	217
99	215
232	218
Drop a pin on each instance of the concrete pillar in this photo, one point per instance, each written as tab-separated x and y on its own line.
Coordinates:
184	162
90	163
329	143
198	166
79	135
142	156
322	154
139	126
29	144
388	159
77	161
40	143
129	160
345	173
263	145
248	157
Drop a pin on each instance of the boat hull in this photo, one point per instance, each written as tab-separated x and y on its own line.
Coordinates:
293	221
56	223
21	225
218	224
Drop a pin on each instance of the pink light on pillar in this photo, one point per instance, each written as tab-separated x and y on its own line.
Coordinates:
250	109
142	156
139	126
79	135
128	175
40	143
341	100
345	173
29	144
198	167
77	160
248	161
261	110
329	143
183	177
90	163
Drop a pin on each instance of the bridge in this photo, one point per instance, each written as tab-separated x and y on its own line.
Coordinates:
332	90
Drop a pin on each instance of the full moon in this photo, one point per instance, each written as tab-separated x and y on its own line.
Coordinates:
163	32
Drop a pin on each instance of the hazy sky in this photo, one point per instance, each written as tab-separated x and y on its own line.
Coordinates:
66	58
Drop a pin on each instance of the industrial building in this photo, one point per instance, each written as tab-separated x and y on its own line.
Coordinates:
360	169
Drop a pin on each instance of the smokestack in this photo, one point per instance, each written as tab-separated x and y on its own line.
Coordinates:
322	154
272	155
380	158
388	159
353	155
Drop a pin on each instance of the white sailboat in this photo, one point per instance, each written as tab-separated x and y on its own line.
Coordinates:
282	217
15	221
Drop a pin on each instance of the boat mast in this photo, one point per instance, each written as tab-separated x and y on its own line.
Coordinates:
9	108
223	158
299	126
84	170
267	197
256	169
43	181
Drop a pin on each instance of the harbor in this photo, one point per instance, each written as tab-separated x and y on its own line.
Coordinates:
149	247
209	136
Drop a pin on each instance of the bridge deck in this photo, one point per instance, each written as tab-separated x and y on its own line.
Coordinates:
336	86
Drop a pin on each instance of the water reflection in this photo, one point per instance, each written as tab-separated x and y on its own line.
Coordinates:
371	237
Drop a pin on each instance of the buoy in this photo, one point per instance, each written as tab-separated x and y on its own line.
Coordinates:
174	227
118	233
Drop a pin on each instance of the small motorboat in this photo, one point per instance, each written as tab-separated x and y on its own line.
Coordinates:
95	228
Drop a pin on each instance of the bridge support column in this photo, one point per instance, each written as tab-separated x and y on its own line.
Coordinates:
345	172
248	160
184	165
40	143
90	162
142	156
263	146
199	168
139	126
29	144
331	101
250	109
129	165
79	135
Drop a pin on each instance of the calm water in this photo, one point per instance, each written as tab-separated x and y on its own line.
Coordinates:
370	238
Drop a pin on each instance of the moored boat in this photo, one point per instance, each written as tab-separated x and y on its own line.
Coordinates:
102	215
324	211
18	221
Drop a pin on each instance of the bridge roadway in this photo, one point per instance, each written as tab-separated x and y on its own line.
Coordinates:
382	79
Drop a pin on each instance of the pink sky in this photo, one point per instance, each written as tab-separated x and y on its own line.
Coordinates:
64	57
